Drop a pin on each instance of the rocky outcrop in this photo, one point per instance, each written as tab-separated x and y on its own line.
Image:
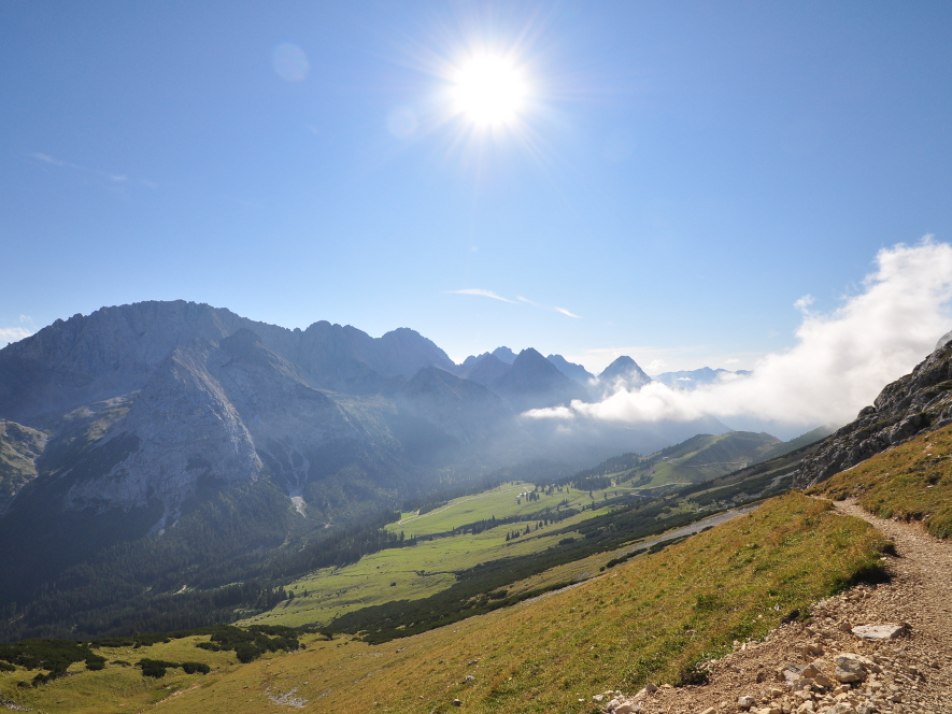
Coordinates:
184	428
20	447
914	403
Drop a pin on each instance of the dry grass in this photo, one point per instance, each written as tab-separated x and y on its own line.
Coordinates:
912	481
652	618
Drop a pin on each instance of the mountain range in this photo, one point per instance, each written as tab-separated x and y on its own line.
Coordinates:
175	435
150	444
144	404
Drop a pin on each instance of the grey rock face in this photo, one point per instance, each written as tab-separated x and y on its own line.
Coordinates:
186	428
914	403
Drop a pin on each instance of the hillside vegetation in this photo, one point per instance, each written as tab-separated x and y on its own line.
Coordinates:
510	521
20	446
911	481
653	618
696	460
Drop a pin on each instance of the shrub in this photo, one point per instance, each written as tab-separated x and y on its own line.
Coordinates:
155	667
95	663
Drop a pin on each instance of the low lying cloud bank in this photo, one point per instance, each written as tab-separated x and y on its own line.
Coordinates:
839	364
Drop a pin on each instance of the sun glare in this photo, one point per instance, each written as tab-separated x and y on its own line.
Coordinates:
489	91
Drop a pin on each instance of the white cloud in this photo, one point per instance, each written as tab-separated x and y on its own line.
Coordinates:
12	334
839	363
804	303
47	159
480	292
519	299
567	313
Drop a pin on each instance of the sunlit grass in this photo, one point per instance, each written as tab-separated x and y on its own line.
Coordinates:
419	571
120	687
649	619
502	502
912	481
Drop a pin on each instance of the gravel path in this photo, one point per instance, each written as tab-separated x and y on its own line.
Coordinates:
911	673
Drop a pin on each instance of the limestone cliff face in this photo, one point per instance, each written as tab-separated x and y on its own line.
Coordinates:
914	403
185	429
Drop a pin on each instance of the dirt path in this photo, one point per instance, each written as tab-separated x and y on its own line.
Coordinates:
915	669
921	591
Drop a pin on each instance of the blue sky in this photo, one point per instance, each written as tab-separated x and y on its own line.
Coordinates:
681	175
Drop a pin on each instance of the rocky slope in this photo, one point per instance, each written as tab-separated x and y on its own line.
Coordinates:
914	403
871	650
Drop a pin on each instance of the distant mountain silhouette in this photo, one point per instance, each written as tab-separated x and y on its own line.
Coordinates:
624	370
504	354
571	370
533	381
484	369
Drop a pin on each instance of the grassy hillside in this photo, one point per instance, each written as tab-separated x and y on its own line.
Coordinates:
700	458
652	618
912	481
19	448
407	573
510	500
461	534
478	546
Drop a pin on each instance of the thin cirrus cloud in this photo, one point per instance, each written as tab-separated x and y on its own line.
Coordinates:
112	177
518	300
838	364
480	292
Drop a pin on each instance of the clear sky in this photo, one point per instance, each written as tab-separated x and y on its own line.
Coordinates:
675	177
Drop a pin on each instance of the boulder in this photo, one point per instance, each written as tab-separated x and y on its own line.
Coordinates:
851	668
880	632
744	703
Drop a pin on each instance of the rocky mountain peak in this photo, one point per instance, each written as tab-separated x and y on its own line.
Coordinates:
406	351
504	354
624	369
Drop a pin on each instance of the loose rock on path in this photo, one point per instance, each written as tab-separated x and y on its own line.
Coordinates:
884	649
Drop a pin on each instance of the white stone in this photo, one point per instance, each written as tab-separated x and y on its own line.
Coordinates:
879	632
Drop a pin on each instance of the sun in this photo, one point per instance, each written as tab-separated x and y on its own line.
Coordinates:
490	91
